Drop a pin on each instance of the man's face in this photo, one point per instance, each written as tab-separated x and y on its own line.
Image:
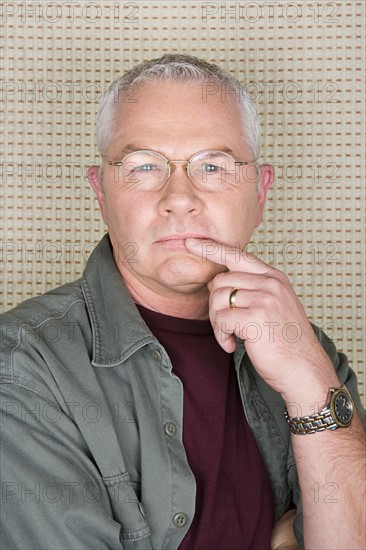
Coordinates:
148	228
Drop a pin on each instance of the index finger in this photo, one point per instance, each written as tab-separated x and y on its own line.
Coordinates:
233	257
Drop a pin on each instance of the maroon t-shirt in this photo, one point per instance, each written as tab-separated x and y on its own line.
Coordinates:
234	505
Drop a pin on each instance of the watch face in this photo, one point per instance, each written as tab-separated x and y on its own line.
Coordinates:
343	408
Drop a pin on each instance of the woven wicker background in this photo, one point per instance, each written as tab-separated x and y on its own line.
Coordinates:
303	63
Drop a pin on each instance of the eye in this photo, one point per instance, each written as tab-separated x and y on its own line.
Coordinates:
210	167
144	168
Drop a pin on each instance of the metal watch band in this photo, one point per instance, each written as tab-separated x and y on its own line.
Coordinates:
311	424
329	418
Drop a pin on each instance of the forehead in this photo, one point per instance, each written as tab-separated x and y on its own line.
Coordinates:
167	115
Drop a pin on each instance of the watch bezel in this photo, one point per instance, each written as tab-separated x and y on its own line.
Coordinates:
335	395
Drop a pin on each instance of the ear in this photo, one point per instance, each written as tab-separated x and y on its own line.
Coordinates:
95	180
266	181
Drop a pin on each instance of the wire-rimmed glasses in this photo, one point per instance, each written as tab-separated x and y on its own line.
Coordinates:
209	170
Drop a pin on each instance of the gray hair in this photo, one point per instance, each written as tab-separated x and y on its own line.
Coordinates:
181	68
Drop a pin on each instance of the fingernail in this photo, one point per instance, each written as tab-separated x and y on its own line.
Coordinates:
192	241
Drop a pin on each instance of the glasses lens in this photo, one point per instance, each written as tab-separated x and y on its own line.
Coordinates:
212	169
146	169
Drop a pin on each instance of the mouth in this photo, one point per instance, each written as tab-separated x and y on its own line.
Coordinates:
177	241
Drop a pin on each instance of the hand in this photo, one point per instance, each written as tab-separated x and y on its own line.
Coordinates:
283	537
269	317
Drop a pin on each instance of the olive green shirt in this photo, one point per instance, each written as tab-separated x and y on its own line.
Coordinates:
91	420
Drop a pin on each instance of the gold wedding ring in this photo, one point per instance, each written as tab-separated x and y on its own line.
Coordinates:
232	297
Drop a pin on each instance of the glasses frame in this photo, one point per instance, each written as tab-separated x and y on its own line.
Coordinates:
188	162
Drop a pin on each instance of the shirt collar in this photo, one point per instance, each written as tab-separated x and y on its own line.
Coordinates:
118	329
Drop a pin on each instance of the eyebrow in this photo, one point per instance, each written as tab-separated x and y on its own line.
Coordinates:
131	148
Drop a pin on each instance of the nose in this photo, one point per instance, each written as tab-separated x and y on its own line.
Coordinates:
179	197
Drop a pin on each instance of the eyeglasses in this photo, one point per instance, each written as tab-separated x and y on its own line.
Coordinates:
209	170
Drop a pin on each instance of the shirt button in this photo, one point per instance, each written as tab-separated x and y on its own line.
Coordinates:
180	519
170	429
141	508
156	355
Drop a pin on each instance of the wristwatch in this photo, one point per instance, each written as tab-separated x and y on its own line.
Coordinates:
337	413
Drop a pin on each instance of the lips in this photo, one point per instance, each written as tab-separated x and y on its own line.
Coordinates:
178	241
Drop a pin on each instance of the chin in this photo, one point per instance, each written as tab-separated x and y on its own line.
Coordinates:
190	271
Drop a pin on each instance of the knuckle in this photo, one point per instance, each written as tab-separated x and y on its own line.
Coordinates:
218	280
275	286
220	319
281	276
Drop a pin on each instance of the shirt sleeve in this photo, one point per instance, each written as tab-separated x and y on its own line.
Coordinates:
346	376
344	372
53	495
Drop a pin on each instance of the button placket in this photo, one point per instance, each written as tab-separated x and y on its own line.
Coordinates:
182	481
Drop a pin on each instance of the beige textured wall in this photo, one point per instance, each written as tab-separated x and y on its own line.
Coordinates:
302	61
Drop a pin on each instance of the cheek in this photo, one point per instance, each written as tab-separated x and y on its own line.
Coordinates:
237	216
124	210
131	222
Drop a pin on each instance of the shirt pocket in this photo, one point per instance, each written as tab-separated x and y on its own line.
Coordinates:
128	511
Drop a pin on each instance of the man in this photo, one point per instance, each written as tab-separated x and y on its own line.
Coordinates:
141	409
